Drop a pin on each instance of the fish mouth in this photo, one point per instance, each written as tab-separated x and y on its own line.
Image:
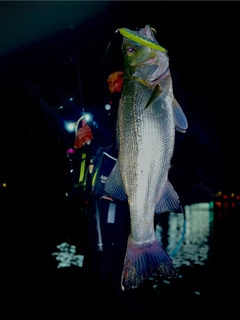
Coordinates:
160	77
161	70
150	61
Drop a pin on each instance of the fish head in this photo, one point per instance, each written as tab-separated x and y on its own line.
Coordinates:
141	60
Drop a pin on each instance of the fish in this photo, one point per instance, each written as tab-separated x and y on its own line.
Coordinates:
148	116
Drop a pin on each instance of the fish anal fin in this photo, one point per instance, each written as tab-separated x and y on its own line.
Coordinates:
169	200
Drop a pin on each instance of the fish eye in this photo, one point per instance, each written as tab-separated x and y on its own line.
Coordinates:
130	50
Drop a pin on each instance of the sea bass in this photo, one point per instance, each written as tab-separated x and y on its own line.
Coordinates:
148	116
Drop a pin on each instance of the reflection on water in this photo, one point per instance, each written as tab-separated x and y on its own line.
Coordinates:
203	245
67	257
186	237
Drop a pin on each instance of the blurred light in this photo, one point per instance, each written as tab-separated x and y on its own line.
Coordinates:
70	99
70	126
219	193
60	107
4	184
87	117
67	256
218	204
70	150
107	106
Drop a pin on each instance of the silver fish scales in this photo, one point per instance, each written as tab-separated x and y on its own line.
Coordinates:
148	116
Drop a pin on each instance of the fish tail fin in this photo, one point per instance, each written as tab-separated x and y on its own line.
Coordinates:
144	261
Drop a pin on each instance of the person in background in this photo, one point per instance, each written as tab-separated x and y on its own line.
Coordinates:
108	220
115	81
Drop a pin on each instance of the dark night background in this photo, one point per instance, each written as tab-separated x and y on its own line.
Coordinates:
63	44
53	50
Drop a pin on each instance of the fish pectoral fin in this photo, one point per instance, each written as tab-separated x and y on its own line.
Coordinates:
169	200
114	185
155	94
181	123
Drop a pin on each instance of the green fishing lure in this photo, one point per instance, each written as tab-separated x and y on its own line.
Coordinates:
140	39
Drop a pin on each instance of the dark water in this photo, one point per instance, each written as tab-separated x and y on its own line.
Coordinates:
203	245
45	276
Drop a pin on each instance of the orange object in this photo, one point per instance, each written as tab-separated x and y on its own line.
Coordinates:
115	81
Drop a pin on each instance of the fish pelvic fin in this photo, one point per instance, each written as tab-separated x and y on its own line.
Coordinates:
145	261
114	184
155	94
169	200
181	123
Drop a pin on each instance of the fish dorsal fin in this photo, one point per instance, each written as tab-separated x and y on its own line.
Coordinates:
155	94
181	123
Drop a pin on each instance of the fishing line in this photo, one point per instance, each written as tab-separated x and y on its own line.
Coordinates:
104	55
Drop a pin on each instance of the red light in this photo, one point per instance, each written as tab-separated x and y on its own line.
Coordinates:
218	204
